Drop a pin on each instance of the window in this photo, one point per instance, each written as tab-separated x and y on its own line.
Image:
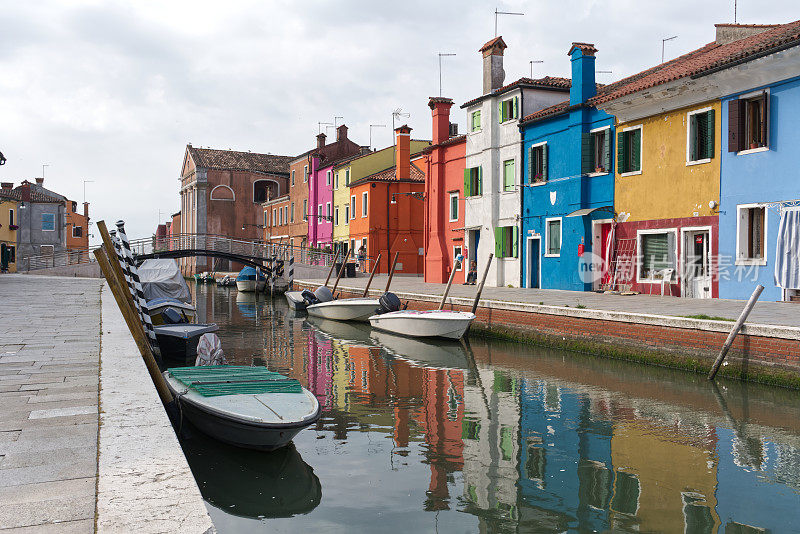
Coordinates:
347	177
553	237
262	192
48	222
453	207
470	429
319	212
626	493
475	121
336	181
364	204
266	218
473	181
305	209
657	251
305	173
346	213
700	136
751	234
286	215
596	151
509	178
291	213
293	171
509	109
456	254
12	253
748	123
11	217
336	216
505	241
77	231
274	216
537	163
328	210
629	150
328	178
353	207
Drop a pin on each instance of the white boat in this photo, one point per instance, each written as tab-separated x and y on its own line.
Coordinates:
247	407
355	309
250	279
431	352
425	323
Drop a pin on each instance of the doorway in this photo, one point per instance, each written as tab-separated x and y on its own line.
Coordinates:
697	263
603	249
534	266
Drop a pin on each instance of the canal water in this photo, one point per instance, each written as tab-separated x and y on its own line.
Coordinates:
493	437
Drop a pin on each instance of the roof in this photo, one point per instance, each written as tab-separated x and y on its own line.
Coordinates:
587	49
497	41
551	83
389	175
212	158
556	109
10	194
452	141
38	194
345	161
706	59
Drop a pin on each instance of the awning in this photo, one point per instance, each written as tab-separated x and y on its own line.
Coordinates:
587	211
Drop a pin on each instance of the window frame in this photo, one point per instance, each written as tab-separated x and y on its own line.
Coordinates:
542	147
458	249
472	117
53	229
291	213
336	215
476	179
689	116
73	231
318	213
513	162
336	181
352	207
293	173
305	174
650	231
451	196
11	219
514	102
328	212
305	209
328	177
547	221
740	236
347	213
607	132
347	177
641	152
364	204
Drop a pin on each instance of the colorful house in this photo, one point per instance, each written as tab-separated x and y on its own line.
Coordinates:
493	163
77	230
41	221
759	195
568	186
444	197
276	220
8	227
386	211
299	170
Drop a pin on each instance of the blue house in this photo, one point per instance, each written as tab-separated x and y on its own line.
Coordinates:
567	186
759	221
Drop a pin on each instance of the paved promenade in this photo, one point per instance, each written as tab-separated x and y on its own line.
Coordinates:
766	313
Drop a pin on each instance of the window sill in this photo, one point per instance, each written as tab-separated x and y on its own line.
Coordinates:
632	173
592	174
452	220
752	150
751	262
507	121
537	184
504	192
548	255
698	162
479	130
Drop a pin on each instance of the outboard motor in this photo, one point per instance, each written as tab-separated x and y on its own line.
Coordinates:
388	303
308	297
323	294
173	316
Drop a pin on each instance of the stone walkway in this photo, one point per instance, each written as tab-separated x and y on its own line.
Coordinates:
766	313
49	375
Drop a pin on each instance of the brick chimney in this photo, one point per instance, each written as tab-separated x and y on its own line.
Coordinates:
403	152
493	74
341	133
728	33
25	191
583	85
40	181
7	185
321	140
440	109
86	209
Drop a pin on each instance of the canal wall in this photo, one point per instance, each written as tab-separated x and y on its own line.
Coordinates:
761	353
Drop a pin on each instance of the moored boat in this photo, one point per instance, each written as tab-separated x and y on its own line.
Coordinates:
355	309
424	323
248	407
157	307
296	300
178	342
250	279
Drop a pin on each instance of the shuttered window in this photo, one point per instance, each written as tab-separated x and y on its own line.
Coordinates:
509	109
596	151
509	177
748	123
629	151
506	242
537	164
701	136
476	121
473	181
657	253
553	237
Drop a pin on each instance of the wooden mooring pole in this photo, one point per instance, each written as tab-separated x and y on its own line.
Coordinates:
391	272
450	281
338	276
372	275
736	327
480	287
328	279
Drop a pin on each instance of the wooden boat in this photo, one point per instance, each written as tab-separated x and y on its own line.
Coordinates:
158	306
250	279
355	309
427	323
248	407
178	342
432	353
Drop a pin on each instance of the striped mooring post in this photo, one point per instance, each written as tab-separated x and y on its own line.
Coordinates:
291	272
125	271
137	286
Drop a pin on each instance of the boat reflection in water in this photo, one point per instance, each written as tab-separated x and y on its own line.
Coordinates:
247	302
248	483
344	332
433	353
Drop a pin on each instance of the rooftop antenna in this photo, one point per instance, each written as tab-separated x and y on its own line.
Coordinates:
441	55
734	11
335	123
321	124
371	126
602	72
532	62
396	114
662	45
84	188
496	13
43	166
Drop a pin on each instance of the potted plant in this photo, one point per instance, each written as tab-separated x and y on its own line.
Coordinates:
753	145
13	227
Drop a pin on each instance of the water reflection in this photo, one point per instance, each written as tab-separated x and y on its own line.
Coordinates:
496	437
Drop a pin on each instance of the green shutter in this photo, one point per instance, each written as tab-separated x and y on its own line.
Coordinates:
515	244
544	163
531	170
498	242
480	180
516	107
636	159
501	111
694	136
586	153
467	182
622	153
710	134
607	151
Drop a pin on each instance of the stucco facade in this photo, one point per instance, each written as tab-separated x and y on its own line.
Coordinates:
8	230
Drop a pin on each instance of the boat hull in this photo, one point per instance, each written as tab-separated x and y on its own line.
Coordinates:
429	323
180	348
247	286
296	300
357	309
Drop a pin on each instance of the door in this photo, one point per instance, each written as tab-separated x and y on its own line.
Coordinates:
534	251
697	268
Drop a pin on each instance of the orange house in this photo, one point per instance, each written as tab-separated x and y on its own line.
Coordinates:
387	210
77	226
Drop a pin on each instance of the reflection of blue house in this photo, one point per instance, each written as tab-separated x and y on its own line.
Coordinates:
759	185
556	428
568	184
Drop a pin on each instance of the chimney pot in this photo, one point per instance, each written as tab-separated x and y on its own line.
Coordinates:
40	181
440	109
341	133
7	185
403	152
321	140
86	209
583	85
493	74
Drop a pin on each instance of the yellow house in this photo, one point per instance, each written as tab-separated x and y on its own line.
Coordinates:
349	171
8	231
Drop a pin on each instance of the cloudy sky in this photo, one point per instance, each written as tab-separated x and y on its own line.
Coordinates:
112	91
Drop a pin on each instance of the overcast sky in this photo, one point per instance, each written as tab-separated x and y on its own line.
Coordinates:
112	91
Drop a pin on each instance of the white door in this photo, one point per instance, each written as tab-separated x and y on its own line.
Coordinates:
697	265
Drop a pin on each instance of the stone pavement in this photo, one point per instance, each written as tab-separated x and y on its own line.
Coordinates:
766	313
49	375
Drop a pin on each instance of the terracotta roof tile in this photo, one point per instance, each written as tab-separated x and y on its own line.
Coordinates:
388	175
556	109
10	194
587	49
211	158
496	41
706	58
548	82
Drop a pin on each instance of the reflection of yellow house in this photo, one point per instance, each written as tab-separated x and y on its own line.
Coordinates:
341	376
676	477
351	170
8	236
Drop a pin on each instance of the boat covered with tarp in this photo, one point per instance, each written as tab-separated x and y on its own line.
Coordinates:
249	407
161	279
250	279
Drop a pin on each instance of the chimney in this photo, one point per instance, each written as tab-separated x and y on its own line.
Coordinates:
341	133
25	191
440	109
728	33
583	86
493	74
40	181
321	140
7	185
403	152
86	209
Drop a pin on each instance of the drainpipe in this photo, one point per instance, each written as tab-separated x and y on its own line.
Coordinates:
520	248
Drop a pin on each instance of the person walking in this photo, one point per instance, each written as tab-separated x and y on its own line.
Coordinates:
362	258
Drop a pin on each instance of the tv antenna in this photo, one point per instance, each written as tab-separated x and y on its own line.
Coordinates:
371	126
496	13
321	124
663	41
441	55
335	123
532	62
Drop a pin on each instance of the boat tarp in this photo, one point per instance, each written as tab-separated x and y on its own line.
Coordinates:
249	273
217	380
161	279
